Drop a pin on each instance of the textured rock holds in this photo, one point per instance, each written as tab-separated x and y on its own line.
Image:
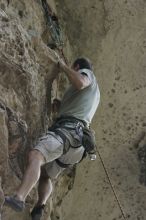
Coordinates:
17	142
3	15
142	159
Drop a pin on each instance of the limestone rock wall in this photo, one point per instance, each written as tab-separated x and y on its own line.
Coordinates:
28	73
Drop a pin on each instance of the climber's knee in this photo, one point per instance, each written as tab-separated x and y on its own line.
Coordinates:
36	156
44	173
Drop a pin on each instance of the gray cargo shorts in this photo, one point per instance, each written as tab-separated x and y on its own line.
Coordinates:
51	146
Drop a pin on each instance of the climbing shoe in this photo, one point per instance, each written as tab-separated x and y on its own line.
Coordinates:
37	212
14	203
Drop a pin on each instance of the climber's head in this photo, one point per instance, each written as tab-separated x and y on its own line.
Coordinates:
82	63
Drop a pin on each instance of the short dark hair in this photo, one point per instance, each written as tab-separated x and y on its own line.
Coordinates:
83	63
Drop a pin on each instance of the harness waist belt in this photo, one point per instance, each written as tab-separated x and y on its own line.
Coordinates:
70	119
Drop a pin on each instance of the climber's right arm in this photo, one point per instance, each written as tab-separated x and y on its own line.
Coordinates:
80	81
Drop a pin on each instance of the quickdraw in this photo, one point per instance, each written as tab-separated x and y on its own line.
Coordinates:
53	25
55	32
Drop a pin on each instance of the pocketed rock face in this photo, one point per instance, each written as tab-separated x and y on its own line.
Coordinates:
27	70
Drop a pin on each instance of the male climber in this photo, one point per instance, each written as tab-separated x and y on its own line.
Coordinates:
62	145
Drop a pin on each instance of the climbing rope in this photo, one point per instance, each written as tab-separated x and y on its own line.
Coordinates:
56	36
112	187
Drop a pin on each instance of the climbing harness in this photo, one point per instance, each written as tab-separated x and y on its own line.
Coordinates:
62	122
112	187
85	137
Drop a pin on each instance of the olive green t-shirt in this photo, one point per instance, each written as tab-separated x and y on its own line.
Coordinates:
81	104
